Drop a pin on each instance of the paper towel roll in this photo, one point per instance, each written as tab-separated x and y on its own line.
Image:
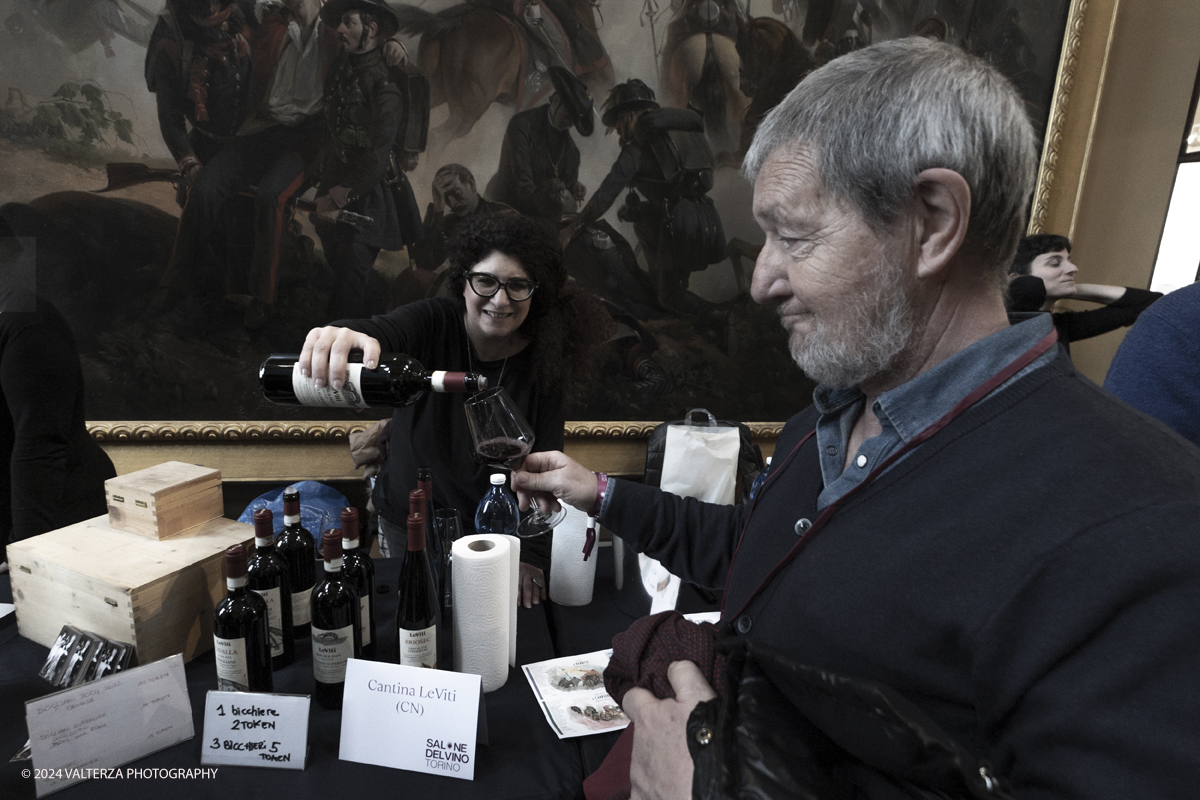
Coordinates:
484	607
514	568
571	577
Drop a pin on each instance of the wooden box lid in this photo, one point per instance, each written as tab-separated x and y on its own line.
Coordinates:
162	500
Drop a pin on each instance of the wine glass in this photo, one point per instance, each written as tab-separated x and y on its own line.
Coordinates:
502	438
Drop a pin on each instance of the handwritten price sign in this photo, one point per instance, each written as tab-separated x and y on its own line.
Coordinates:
249	729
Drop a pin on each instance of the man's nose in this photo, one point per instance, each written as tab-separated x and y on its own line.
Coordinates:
769	282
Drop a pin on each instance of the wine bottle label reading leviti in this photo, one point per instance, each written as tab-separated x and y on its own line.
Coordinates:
330	651
349	396
274	618
231	665
419	648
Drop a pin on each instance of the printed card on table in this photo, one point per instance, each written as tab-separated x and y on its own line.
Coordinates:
425	720
571	693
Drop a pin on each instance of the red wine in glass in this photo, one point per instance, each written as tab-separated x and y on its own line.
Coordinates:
502	452
501	435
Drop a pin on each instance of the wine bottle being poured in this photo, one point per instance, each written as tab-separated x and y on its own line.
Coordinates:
398	381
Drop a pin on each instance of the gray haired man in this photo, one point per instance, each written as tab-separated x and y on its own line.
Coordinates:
959	515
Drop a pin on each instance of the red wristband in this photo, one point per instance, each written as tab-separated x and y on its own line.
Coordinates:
601	488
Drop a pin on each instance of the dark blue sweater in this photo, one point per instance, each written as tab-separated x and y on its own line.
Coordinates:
1029	577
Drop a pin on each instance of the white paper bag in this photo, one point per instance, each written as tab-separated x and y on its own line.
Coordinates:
700	461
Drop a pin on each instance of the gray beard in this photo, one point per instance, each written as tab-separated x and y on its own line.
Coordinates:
866	341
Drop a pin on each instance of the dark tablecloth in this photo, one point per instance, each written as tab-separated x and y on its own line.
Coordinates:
524	760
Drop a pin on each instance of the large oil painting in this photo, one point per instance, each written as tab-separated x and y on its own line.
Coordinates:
74	81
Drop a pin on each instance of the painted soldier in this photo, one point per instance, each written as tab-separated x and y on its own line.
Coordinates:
455	198
363	111
539	160
198	67
667	161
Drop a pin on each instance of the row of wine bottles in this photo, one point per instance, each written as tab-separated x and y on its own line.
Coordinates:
274	598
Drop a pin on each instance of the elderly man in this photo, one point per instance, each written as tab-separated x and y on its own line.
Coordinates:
959	515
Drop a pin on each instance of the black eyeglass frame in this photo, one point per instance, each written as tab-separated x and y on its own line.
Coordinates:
501	285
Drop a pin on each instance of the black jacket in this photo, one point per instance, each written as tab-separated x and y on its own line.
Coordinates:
51	471
1029	577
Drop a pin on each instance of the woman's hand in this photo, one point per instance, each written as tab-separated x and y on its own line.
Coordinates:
531	588
327	351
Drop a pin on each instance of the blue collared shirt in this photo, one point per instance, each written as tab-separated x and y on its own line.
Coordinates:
907	410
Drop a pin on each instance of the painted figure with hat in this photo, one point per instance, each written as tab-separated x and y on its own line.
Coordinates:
539	161
667	162
364	108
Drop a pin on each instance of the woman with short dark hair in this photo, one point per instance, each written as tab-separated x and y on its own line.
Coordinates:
513	316
1042	274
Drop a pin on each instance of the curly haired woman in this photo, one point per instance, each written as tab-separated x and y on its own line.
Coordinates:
512	316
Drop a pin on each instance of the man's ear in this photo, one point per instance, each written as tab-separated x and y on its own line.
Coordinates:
943	210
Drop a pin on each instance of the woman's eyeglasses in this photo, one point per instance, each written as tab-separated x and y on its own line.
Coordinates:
485	284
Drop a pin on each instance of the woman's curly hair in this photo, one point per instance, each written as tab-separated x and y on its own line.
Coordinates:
566	326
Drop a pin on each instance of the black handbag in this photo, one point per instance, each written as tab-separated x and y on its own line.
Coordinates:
786	730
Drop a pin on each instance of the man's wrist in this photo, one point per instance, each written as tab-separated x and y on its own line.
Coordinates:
601	491
187	162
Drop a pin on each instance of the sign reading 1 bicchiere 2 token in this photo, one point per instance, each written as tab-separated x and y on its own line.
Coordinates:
424	720
252	729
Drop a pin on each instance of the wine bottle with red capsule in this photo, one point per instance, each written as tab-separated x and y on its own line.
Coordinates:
240	634
359	570
268	576
417	612
397	381
296	547
336	628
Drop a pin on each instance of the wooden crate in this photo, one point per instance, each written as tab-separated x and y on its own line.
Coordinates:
163	500
157	595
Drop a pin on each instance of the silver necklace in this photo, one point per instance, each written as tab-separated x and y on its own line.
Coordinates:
471	363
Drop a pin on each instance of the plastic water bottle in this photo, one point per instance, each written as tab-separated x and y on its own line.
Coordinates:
497	512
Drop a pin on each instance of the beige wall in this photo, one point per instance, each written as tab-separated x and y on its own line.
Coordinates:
1125	150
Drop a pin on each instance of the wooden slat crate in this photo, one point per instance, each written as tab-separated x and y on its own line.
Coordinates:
163	500
157	595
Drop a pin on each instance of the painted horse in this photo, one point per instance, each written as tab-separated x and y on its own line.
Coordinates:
700	67
773	61
498	51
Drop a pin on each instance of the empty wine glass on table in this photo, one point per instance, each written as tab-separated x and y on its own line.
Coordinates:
502	438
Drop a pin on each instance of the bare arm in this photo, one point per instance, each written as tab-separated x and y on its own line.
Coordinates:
1098	293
